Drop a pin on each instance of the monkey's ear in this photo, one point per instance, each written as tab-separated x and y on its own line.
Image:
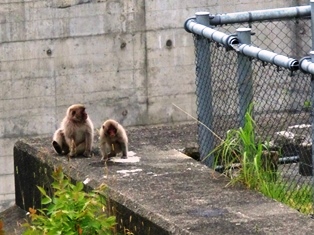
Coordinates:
73	112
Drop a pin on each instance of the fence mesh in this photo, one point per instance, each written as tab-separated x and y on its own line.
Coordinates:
281	98
290	37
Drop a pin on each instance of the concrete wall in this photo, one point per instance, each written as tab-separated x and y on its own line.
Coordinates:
111	55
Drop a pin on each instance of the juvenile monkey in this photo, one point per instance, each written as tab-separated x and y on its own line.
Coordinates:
76	133
113	139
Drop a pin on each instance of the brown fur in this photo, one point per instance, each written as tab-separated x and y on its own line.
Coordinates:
76	133
113	139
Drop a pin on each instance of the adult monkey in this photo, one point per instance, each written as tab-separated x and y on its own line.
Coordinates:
76	133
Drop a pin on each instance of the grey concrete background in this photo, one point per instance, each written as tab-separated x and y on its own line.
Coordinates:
110	55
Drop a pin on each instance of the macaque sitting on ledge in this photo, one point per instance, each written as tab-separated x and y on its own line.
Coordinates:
113	140
76	133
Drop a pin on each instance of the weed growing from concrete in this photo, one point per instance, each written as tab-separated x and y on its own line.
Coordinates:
70	210
242	150
241	158
245	160
297	197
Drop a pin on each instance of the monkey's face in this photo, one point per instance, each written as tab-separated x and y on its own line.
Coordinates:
111	131
78	114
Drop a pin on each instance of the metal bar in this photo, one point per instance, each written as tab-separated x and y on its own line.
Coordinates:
282	160
260	15
192	26
244	75
268	56
312	105
204	94
233	41
312	93
312	21
306	65
202	18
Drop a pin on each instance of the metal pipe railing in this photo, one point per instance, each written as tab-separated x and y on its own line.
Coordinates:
268	56
260	15
193	27
232	41
306	65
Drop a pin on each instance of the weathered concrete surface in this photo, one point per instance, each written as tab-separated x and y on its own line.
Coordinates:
111	55
168	192
12	218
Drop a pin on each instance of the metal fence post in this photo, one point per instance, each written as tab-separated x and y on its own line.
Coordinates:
312	90
244	75
312	113
204	92
312	21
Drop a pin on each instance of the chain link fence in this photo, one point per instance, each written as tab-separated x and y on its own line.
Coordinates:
229	79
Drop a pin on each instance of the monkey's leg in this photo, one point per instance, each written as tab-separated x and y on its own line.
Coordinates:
58	141
105	157
112	154
124	149
57	147
88	143
82	149
72	147
112	150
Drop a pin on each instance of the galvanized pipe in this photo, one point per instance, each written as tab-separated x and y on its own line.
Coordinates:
244	76
192	26
204	86
312	102
306	65
232	41
202	18
268	56
260	15
312	21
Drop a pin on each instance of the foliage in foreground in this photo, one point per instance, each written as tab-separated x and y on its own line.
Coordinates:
256	168
70	211
1	228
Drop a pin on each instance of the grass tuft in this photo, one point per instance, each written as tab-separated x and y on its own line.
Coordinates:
246	160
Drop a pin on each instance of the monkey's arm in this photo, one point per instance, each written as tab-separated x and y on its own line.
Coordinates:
72	146
124	149
105	149
89	136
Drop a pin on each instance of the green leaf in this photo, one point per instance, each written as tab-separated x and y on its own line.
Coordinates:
42	190
46	200
68	207
79	186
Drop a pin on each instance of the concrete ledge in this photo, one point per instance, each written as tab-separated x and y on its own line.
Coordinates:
167	193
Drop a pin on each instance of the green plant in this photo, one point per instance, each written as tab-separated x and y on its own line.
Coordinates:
242	147
295	196
256	167
70	210
307	104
